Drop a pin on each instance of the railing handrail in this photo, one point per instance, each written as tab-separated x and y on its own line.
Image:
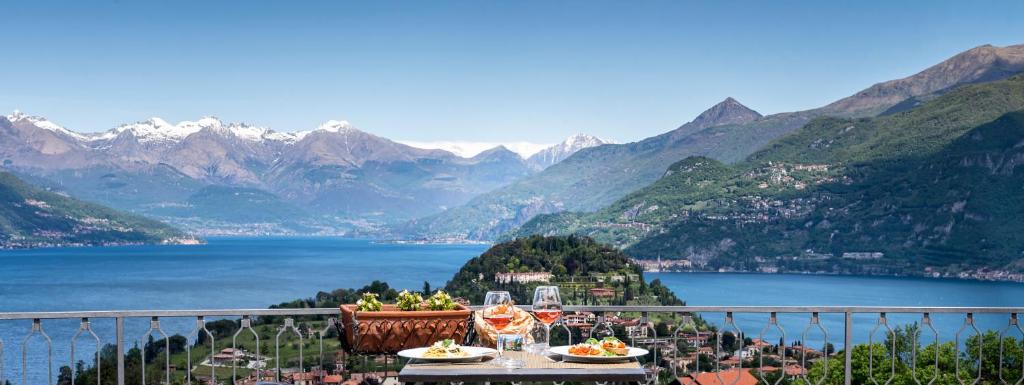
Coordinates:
598	308
847	313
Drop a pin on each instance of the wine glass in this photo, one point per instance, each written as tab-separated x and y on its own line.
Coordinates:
547	307
498	312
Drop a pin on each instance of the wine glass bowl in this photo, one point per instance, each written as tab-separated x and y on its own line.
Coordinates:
499	316
499	310
547	316
547	308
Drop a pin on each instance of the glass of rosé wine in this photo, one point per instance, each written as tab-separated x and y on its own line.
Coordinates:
499	310
547	307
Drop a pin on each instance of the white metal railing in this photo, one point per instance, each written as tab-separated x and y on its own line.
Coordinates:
685	316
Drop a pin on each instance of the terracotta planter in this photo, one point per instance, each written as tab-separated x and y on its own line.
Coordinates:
391	330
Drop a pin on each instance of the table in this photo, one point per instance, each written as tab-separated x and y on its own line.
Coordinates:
538	369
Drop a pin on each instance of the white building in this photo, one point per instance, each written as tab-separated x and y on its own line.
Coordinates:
525	277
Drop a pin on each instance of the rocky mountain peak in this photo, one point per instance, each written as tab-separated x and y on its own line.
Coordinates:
556	153
335	126
331	126
979	64
42	122
728	111
496	152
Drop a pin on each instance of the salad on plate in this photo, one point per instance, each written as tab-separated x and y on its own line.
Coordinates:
606	347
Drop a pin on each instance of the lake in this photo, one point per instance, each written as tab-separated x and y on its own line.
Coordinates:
738	289
258	272
224	273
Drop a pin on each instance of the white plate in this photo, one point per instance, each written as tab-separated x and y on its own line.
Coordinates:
564	352
475	354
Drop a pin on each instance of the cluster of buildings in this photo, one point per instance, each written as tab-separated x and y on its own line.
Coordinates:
659	265
523	277
977	274
741	366
584	321
320	377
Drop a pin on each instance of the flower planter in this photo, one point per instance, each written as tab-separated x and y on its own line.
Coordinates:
391	330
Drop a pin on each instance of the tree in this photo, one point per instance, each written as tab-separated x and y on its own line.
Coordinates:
729	342
829	349
64	377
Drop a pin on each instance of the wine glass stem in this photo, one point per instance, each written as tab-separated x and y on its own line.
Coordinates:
501	345
547	335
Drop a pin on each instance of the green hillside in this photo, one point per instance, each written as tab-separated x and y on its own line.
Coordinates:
576	264
595	177
935	186
30	217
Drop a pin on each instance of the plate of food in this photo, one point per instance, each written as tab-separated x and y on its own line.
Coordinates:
447	351
594	350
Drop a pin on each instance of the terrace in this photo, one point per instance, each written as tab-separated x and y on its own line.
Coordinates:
771	344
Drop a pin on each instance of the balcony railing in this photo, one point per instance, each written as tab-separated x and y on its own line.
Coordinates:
776	340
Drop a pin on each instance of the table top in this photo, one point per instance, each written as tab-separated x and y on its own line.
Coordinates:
538	368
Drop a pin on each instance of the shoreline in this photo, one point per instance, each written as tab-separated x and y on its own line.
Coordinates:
44	246
826	274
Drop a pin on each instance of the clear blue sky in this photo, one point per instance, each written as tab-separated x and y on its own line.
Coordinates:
473	70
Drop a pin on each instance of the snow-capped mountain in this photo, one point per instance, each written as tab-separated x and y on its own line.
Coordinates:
165	169
157	130
43	123
554	154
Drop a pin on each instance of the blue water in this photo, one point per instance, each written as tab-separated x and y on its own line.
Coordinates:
735	289
225	273
258	272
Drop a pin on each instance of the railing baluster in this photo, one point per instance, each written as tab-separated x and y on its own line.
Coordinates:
246	323
968	325
83	328
814	323
154	326
330	323
568	331
729	321
645	324
926	321
685	321
773	320
200	327
848	348
882	323
1014	324
37	328
119	325
289	323
599	322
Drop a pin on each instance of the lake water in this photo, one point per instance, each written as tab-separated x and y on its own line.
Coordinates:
225	273
258	272
736	289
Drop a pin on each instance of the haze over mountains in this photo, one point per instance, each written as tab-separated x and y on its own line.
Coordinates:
728	132
33	217
214	177
934	190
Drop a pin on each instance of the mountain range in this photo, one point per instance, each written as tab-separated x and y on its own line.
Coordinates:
929	190
211	177
331	179
728	132
32	217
